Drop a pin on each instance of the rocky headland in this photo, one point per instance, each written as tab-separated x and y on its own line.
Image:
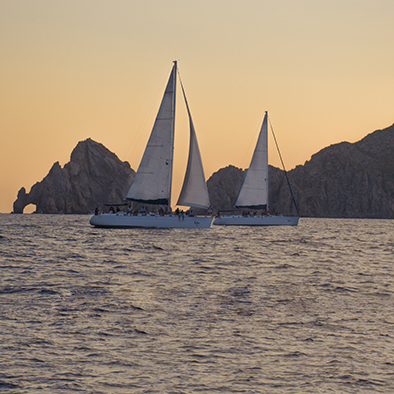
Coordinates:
349	180
92	177
346	180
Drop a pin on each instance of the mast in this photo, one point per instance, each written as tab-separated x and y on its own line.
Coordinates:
172	137
266	144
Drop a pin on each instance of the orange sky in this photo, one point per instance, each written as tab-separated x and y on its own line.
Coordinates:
71	70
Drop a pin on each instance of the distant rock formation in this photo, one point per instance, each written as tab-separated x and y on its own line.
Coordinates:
349	180
93	176
344	180
224	186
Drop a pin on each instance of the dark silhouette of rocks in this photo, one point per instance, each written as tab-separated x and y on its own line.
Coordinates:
224	186
93	176
347	180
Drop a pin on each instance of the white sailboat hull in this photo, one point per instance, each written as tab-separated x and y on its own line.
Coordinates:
120	220
238	220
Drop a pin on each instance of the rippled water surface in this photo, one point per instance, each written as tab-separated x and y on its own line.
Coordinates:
226	310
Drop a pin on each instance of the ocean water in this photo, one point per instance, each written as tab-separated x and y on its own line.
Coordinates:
305	309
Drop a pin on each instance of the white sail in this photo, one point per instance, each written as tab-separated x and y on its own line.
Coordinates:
254	191
152	183
194	191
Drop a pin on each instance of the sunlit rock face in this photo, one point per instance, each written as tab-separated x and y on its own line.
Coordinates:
345	180
93	176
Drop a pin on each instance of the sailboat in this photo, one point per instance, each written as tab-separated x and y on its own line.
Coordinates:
253	195
153	180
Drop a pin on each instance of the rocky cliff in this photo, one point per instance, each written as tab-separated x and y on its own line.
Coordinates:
343	180
93	176
349	180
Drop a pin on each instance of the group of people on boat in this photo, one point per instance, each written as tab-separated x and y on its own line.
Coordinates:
254	213
249	214
181	213
144	210
110	210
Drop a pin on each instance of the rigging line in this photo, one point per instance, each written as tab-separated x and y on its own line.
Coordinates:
284	168
184	95
249	151
141	129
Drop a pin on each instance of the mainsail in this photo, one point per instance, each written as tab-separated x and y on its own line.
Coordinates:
254	191
194	190
152	183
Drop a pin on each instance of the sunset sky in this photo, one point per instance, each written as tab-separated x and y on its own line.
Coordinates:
72	69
